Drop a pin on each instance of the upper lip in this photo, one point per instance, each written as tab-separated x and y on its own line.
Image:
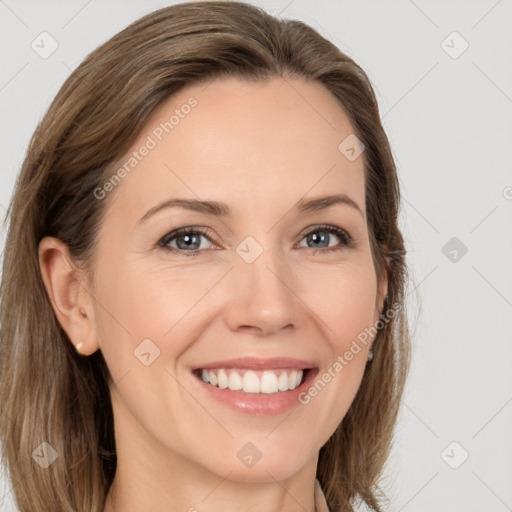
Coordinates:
255	363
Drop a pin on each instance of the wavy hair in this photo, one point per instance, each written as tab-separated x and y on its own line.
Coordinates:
48	392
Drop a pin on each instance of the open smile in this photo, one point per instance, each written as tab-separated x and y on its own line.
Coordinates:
256	386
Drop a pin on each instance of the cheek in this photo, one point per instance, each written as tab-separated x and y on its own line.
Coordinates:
152	303
346	307
155	303
345	301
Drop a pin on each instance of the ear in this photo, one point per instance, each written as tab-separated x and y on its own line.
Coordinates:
68	294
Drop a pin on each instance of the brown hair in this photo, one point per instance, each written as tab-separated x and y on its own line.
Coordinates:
48	393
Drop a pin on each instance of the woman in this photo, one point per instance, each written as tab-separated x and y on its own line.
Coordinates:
203	281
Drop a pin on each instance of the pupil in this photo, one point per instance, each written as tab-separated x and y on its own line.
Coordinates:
315	238
188	240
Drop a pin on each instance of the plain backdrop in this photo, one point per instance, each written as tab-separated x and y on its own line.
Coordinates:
442	71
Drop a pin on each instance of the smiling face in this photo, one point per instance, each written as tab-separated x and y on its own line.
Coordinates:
258	277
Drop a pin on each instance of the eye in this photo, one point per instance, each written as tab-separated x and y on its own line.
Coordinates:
321	236
187	240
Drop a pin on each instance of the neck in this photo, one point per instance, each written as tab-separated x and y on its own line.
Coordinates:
152	476
193	496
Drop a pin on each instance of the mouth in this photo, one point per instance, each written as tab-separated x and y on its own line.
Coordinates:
261	381
255	386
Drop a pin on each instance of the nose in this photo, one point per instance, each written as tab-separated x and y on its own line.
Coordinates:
262	297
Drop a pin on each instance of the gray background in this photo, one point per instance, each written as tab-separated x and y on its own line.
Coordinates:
448	120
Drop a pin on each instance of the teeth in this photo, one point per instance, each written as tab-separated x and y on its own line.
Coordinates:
266	381
282	383
293	380
251	382
235	381
222	379
269	382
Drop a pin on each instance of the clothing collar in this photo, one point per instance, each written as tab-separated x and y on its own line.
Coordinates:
321	503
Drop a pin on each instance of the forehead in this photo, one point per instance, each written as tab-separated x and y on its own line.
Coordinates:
243	143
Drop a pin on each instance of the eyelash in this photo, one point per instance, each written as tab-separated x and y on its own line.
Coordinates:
346	240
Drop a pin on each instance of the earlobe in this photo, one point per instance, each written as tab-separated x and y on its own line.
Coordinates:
65	288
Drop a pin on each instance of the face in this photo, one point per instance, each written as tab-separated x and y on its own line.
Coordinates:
262	287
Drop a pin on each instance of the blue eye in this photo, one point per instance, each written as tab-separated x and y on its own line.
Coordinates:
325	233
188	239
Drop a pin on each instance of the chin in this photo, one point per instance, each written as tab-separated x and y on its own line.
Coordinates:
264	460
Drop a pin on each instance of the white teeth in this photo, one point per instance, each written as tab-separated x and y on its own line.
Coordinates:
293	379
251	382
282	383
222	379
235	381
267	381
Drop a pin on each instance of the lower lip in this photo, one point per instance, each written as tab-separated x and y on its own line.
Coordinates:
258	404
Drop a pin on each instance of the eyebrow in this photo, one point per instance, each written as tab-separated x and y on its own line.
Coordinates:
223	210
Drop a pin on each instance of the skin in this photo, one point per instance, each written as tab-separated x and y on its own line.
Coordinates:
260	148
